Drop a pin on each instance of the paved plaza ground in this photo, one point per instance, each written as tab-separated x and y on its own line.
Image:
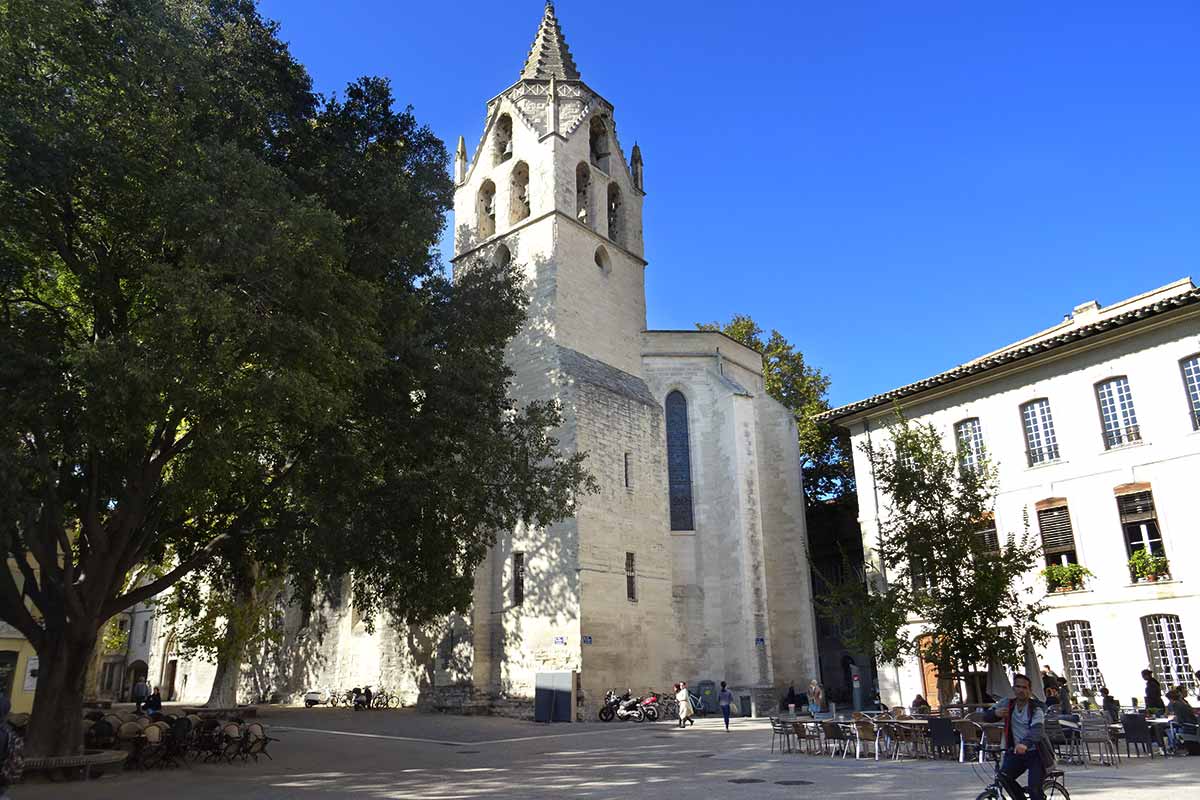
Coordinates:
328	753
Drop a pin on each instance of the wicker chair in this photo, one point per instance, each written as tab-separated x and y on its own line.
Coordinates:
809	735
255	741
970	736
866	734
836	736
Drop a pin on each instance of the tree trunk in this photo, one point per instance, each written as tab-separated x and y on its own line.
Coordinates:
230	653
56	726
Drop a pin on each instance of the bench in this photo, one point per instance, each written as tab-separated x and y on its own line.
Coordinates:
85	763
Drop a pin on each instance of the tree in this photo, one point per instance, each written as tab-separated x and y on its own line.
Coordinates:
824	449
224	335
957	587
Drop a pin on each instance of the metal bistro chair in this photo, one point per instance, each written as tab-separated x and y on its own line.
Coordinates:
808	735
781	733
1094	730
970	738
1065	747
836	736
943	738
1138	733
866	734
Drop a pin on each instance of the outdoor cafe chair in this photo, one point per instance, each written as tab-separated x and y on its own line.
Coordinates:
808	734
836	736
780	733
970	738
942	737
1138	733
1058	738
255	741
866	735
1094	730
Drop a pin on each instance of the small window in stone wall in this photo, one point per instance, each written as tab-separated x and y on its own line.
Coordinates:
629	470
518	578
630	577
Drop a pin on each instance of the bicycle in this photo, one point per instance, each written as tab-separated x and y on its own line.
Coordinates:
1052	783
385	699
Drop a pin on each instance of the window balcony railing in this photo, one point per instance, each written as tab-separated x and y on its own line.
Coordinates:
1118	437
1041	455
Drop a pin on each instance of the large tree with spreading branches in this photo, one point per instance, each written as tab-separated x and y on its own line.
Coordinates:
225	342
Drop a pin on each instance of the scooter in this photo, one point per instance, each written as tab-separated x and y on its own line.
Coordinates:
318	697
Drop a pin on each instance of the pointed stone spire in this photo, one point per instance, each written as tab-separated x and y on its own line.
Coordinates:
549	56
636	166
460	161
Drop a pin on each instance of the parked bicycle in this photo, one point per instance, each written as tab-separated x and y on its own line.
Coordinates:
385	699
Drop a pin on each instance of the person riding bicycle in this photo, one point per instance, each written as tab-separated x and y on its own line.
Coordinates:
1026	747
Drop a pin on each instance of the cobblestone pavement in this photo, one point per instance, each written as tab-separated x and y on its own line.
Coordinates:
326	753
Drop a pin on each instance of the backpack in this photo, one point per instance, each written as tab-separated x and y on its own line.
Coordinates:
13	765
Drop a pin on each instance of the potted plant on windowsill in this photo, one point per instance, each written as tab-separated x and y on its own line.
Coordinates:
1146	566
1065	577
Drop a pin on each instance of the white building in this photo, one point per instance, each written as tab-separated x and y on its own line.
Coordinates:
1094	426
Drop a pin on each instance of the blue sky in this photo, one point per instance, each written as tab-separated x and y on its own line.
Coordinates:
897	187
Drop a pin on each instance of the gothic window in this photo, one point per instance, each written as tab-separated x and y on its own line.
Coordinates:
598	143
518	203
583	193
616	215
679	463
485	210
630	577
603	262
504	138
502	256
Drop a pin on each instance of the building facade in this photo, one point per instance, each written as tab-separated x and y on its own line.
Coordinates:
1094	428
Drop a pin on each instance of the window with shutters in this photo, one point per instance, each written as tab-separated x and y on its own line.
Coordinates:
630	577
1117	416
518	564
1139	523
1191	384
1168	651
1041	444
989	539
1058	538
969	436
679	463
1079	655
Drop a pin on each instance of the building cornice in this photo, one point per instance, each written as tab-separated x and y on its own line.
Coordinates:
1099	333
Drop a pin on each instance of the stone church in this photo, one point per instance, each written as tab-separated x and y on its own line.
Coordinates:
691	562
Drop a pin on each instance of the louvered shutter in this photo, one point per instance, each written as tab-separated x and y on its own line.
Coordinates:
1055	524
1137	507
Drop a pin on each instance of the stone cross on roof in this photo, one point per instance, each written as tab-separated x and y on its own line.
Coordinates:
549	56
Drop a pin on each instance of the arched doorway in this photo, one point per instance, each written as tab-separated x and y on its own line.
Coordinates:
137	671
170	664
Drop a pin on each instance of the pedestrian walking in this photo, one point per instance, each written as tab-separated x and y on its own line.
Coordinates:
725	700
141	690
816	696
686	712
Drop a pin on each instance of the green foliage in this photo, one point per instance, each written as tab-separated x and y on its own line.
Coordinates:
962	596
825	454
114	640
1065	576
1144	564
225	339
869	618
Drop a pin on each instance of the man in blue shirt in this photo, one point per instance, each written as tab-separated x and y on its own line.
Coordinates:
724	700
1025	745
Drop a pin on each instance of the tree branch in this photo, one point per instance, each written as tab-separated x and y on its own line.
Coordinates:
134	596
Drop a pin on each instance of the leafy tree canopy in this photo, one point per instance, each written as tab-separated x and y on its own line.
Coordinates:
954	590
224	335
825	454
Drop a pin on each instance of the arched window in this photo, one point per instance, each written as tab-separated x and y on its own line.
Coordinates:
679	463
616	214
485	209
518	198
603	262
502	257
503	139
598	143
1167	650
583	193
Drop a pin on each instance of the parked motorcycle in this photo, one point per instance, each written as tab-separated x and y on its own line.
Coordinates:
625	707
361	700
649	704
319	697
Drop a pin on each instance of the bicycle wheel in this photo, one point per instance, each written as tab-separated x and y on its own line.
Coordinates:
335	699
393	701
1055	791
990	793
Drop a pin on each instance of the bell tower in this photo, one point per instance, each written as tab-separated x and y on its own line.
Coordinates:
549	188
